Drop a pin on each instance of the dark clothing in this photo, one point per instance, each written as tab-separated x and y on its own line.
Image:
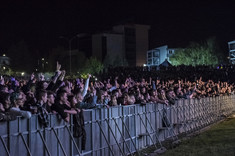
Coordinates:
50	86
42	115
171	100
78	121
182	96
26	87
60	109
27	105
48	108
7	116
79	127
85	105
53	87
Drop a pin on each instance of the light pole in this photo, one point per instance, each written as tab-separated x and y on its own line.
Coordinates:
69	40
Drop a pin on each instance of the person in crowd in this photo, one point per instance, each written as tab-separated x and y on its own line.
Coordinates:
30	102
41	107
6	115
154	98
73	101
82	104
5	100
130	99
118	86
17	102
5	105
62	106
171	97
103	97
113	101
162	96
50	101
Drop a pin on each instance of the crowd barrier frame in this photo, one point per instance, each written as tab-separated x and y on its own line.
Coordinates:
121	130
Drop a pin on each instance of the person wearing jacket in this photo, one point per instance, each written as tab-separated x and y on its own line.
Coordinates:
18	101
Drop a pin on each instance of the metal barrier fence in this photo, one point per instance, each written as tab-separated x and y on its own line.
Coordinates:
121	130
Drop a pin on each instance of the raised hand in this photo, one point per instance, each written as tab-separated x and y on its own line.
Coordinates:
41	77
62	75
89	75
78	81
32	76
2	80
58	66
179	82
166	102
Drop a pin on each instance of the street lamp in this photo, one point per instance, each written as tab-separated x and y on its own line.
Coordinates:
69	40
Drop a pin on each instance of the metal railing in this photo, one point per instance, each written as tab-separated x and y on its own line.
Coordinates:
121	130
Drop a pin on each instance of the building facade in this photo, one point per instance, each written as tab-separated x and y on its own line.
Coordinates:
158	55
107	44
4	62
130	42
231	47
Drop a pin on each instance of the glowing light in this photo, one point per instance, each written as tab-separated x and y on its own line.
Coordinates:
42	59
4	68
4	55
144	65
22	74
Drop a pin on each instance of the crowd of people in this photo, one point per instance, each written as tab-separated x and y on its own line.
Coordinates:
118	86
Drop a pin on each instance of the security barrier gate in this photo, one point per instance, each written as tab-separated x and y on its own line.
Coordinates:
121	130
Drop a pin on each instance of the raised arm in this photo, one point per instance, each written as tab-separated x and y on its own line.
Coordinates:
84	92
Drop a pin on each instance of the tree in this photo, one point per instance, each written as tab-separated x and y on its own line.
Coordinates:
108	60
115	60
93	66
197	54
79	62
120	61
22	59
57	54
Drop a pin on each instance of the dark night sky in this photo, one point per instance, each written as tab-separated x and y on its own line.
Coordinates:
172	22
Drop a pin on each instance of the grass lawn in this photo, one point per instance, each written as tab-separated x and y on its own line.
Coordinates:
219	140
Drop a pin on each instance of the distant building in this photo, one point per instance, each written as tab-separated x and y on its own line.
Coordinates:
231	47
158	55
4	62
130	41
107	44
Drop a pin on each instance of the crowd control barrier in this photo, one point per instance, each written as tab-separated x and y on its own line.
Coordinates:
121	130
